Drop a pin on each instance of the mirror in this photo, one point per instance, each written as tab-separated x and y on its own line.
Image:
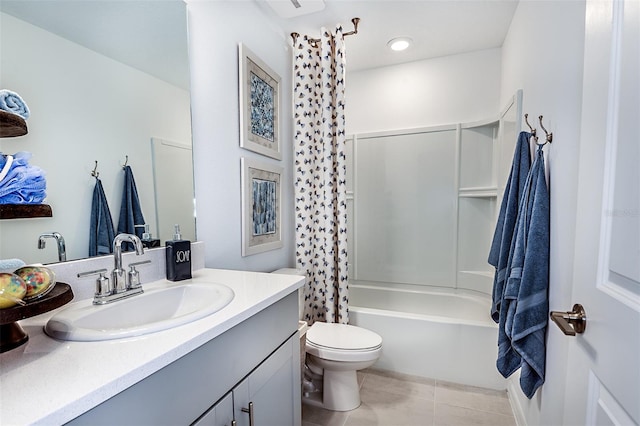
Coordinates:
105	81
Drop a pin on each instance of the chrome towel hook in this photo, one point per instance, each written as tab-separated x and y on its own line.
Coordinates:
549	135
526	120
95	173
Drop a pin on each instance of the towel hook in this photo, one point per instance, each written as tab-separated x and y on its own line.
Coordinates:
526	120
549	135
126	161
95	173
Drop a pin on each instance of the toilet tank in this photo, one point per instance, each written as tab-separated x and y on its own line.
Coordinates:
292	271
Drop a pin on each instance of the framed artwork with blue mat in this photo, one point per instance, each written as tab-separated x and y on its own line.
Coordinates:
259	105
261	207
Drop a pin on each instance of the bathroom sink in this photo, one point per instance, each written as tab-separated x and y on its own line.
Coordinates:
154	310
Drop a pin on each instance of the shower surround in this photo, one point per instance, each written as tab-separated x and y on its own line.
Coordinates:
422	207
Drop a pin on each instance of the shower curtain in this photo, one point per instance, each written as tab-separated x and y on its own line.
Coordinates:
320	175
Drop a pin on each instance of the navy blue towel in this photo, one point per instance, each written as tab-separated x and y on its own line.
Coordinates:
524	310
501	245
101	232
130	210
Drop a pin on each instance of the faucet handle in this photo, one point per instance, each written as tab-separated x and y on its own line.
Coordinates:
103	287
142	262
134	274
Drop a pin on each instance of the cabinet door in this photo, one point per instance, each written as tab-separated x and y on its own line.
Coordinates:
270	395
220	414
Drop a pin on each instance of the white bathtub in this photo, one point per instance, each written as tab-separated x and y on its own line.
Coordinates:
439	335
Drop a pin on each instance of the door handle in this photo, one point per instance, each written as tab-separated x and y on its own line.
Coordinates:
571	322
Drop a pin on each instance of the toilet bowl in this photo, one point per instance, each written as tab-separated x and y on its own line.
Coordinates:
336	352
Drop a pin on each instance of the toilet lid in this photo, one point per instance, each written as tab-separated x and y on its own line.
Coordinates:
343	337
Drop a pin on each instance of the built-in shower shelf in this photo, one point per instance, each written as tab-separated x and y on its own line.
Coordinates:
490	192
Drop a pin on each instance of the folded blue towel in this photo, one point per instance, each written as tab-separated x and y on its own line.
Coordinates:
525	308
10	264
101	232
13	103
503	235
130	210
20	182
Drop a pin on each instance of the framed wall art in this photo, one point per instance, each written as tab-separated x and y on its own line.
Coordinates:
259	105
261	207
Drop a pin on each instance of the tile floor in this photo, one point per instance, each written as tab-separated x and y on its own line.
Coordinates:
390	399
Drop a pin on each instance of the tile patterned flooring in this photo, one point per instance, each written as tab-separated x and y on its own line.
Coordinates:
390	399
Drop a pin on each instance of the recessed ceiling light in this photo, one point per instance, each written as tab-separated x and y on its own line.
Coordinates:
399	43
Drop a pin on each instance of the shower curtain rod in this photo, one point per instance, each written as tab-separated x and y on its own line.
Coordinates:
355	22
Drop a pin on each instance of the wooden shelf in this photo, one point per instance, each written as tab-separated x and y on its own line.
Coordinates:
12	125
25	211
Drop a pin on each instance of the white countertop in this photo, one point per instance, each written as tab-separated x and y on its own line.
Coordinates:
47	381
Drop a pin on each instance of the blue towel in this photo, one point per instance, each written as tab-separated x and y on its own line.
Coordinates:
101	233
130	210
10	264
525	308
13	103
20	182
501	245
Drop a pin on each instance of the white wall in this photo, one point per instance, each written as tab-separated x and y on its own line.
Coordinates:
215	29
84	107
543	55
446	90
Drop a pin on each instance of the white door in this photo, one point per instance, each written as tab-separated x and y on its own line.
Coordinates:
173	185
603	378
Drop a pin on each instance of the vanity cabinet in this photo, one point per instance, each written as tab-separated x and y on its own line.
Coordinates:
255	361
264	397
220	414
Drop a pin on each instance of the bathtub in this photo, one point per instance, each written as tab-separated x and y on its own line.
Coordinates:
429	333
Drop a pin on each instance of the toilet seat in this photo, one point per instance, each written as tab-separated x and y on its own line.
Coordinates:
342	342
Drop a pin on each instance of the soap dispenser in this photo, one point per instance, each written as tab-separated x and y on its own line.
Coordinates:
178	257
147	240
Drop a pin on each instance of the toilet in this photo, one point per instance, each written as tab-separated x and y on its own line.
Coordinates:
334	353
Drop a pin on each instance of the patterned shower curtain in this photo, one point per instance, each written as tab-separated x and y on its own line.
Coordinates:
320	175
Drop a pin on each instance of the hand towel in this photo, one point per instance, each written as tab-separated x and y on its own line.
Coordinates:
13	103
130	210
525	307
101	232
21	182
501	245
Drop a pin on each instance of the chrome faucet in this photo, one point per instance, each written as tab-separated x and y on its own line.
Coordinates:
118	275
62	250
122	285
